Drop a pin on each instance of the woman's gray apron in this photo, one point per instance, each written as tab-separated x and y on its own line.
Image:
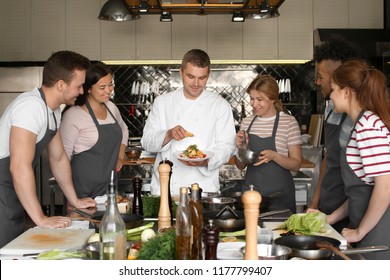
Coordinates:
12	217
91	169
332	194
359	194
270	178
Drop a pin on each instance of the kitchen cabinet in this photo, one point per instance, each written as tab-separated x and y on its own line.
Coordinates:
153	39
82	30
365	14
330	14
188	32
48	28
224	37
296	29
260	39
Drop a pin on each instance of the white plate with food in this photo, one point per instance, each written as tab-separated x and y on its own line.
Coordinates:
193	154
230	251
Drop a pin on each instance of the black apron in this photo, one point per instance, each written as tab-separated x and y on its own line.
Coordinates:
12	217
92	168
359	194
270	178
332	194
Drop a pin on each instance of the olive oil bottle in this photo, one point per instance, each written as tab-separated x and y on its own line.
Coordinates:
197	223
183	227
112	228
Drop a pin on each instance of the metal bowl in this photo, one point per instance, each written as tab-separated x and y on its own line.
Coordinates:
247	156
271	252
93	249
217	203
133	153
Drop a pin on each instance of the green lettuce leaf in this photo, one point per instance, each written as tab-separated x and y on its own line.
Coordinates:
308	223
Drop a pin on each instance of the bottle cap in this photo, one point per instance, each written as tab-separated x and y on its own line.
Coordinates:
183	190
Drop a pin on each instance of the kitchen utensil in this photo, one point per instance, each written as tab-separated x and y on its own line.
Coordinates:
271	252
85	219
92	249
245	155
216	203
133	153
322	244
304	246
226	219
266	201
131	220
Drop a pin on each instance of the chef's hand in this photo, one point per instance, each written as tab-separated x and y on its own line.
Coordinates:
85	202
54	222
177	133
266	156
239	138
352	235
196	163
119	165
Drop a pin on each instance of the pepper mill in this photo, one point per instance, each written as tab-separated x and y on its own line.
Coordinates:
164	215
251	200
169	188
210	234
137	200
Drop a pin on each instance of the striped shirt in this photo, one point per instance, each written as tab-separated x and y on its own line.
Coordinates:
287	133
368	151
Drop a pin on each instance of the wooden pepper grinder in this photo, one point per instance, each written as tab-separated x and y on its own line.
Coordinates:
251	200
164	215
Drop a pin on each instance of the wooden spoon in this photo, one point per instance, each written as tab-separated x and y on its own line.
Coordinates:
327	245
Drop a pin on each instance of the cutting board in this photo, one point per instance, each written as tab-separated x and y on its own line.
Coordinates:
37	240
329	232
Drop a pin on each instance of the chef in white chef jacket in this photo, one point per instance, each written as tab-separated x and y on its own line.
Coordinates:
206	115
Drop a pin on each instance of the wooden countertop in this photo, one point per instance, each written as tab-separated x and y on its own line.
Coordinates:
150	160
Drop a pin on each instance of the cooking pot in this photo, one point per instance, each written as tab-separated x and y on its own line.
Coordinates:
304	246
216	203
271	252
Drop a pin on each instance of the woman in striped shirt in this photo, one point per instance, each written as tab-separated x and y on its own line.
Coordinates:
360	91
275	136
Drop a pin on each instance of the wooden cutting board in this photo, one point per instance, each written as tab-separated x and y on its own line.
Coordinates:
37	240
329	232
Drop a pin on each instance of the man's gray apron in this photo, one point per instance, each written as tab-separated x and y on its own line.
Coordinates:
270	178
12	217
359	194
332	194
91	169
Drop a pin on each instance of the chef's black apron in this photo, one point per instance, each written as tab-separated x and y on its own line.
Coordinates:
270	178
12	217
332	194
91	169
359	194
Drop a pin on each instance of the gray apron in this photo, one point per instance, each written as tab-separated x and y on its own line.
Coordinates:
359	194
270	178
91	169
12	217
332	194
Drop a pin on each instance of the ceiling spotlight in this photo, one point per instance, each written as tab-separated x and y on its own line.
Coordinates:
116	10
166	17
264	6
143	6
269	14
238	17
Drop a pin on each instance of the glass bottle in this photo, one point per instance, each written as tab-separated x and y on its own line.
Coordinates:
210	239
183	227
197	222
112	228
137	207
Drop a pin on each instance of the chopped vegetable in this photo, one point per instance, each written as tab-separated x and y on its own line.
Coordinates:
234	233
160	247
60	255
135	233
308	223
192	152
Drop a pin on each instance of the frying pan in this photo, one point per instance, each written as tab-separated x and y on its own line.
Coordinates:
266	201
304	246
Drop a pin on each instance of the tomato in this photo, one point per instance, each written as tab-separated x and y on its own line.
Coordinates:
137	245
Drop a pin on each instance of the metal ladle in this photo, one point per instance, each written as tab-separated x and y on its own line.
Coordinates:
247	156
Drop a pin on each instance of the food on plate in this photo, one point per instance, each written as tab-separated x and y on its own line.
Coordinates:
189	134
308	223
192	152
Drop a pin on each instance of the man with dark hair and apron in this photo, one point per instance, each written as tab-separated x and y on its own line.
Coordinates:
27	127
329	190
274	135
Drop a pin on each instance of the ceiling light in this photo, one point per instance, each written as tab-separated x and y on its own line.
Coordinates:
238	17
264	6
143	6
115	10
269	14
166	17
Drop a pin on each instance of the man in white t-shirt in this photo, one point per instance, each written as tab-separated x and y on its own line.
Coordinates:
27	127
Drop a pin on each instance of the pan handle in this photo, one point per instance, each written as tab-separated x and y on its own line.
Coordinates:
274	212
364	250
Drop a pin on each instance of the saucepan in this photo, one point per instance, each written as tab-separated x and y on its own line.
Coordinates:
271	252
307	246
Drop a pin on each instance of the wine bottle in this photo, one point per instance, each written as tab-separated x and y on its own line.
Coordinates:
197	222
183	227
112	228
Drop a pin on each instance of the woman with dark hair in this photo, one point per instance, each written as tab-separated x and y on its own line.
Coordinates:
275	136
94	134
360	91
